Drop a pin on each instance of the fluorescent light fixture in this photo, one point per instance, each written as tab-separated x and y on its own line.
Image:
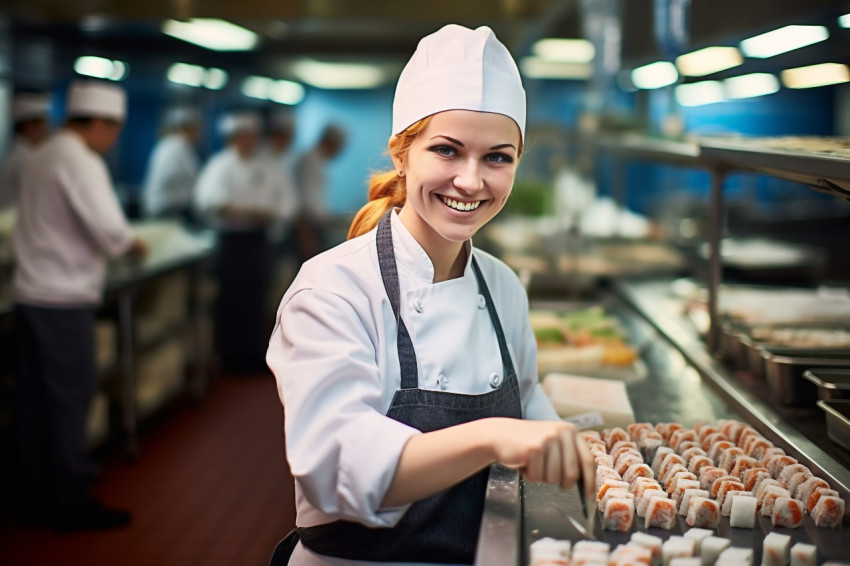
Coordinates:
708	60
185	74
215	79
338	75
750	86
211	33
257	87
699	94
655	75
537	68
844	21
783	40
816	75
100	68
564	50
286	92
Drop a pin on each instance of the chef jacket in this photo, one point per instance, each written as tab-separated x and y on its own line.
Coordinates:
10	174
171	176
311	179
230	180
335	358
69	220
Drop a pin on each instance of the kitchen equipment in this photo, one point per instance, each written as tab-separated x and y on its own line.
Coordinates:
832	383
837	421
784	369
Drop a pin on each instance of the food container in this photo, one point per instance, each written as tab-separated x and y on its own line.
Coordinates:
837	421
730	344
753	353
784	369
832	383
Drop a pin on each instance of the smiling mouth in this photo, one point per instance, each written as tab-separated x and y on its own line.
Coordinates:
457	205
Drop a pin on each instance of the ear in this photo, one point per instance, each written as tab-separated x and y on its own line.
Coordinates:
398	163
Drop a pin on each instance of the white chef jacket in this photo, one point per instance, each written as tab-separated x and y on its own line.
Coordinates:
69	219
10	174
172	172
229	180
280	166
311	179
335	358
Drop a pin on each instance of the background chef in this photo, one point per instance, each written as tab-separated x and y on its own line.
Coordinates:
404	356
69	221
30	112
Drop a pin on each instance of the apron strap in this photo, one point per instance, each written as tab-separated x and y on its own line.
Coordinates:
389	275
507	364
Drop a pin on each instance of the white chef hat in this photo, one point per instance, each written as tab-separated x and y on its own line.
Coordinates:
94	99
457	68
240	121
30	106
180	116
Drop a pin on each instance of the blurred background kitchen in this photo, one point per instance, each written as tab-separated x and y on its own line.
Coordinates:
679	153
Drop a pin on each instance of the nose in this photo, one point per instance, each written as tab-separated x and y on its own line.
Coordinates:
468	176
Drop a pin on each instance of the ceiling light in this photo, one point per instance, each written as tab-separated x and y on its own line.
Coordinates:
752	85
844	21
214	34
708	60
783	40
257	87
338	75
286	92
185	74
215	79
655	75
699	94
564	50
537	68
100	68
816	75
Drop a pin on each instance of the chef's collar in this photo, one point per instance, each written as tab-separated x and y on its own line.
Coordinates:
412	257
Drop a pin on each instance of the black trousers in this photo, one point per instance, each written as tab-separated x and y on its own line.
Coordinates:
57	377
244	274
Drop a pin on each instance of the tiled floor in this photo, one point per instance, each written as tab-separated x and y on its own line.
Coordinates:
211	487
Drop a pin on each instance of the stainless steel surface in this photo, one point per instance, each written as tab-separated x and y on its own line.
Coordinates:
837	421
832	383
784	369
499	539
650	148
753	350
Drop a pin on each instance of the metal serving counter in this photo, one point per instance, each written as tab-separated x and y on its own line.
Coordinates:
684	384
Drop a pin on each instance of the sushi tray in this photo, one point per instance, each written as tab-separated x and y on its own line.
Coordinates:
707	495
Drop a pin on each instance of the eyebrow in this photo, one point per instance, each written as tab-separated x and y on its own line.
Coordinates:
460	143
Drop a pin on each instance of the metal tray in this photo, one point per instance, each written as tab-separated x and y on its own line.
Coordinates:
837	421
753	352
784	369
731	337
832	383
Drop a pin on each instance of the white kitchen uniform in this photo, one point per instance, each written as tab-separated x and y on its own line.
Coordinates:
311	180
69	220
334	354
171	176
10	174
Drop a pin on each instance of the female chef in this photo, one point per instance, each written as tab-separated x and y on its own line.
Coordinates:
404	357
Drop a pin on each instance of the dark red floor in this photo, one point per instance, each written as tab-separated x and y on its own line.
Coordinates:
211	487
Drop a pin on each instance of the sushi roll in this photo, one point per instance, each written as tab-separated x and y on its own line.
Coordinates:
623	446
710	440
735	556
686	445
680	488
797	480
686	499
549	552
708	474
734	429
757	448
714	488
788	472
642	483
742	464
643	498
764	484
630	555
626	460
691	452
670	460
728	457
666	429
699	462
775	464
769	497
698	535
615	493
604	473
611	436
618	514
668	479
610	484
807	488
636	429
704	429
681	476
637	470
828	512
717	448
659	457
816	496
660	512
788	512
803	554
726	507
750	477
710	549
772	451
651	543
776	550
676	547
604	460
743	514
703	512
725	487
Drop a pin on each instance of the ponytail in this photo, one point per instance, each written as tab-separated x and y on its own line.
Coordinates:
387	190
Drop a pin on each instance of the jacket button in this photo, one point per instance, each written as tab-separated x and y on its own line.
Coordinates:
418	306
482	302
442	382
495	380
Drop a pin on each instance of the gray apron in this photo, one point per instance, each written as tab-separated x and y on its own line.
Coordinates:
442	528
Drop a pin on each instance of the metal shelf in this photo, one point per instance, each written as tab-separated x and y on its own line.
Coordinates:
649	148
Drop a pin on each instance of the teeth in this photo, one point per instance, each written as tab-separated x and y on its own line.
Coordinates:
457	205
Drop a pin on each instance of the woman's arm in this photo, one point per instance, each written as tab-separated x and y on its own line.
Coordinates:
544	451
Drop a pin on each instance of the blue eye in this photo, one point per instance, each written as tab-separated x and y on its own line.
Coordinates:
443	150
499	158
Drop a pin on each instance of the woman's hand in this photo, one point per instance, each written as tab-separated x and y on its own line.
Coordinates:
544	451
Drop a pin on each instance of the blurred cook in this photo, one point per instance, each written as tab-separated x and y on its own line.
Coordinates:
173	166
280	130
30	117
241	197
404	357
69	222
